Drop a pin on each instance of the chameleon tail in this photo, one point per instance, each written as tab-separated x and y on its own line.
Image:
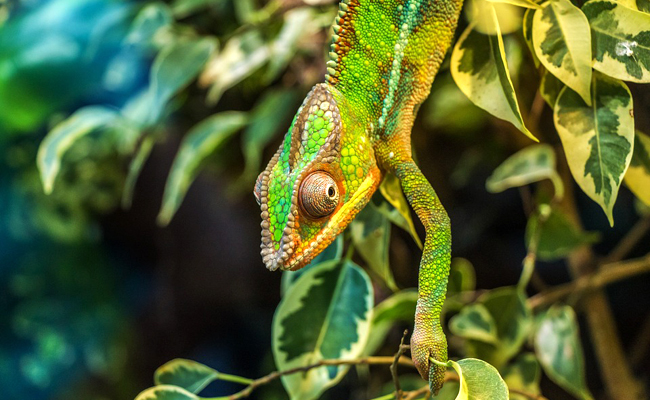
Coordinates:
434	269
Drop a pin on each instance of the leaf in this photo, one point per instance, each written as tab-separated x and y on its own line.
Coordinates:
474	322
620	39
562	43
135	167
479	68
558	236
166	392
558	348
270	114
370	232
550	88
527	31
187	374
400	307
523	374
325	315
201	141
513	319
151	19
461	276
479	380
242	55
333	252
532	164
494	17
174	68
298	24
597	139
518	3
637	177
185	8
391	189
59	140
643	5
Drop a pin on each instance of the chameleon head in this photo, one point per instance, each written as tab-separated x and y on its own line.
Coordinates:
322	175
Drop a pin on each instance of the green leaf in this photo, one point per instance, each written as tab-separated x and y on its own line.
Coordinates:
370	232
461	276
174	68
391	189
558	348
479	68
513	319
523	374
400	307
59	140
558	236
201	141
597	139
166	392
527	30
325	315
333	252
562	43
532	164
271	113
150	20
242	55
550	88
620	40
479	380
185	8
643	5
637	177
135	167
474	322
187	374
298	24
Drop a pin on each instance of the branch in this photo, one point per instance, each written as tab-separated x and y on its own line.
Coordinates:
277	374
626	245
609	273
393	366
453	377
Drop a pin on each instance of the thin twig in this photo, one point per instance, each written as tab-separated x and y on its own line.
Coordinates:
609	273
626	245
393	366
277	374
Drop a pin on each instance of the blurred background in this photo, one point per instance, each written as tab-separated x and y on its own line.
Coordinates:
97	289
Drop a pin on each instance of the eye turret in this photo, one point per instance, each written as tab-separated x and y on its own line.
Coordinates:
319	195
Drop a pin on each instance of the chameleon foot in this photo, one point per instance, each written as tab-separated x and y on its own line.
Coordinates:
426	344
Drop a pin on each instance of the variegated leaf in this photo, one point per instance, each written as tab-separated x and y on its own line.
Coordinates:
479	380
166	392
479	68
523	374
597	139
187	374
475	322
527	30
492	17
550	88
562	43
519	3
637	177
621	40
325	315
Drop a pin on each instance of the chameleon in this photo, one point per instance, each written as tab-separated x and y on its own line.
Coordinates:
353	130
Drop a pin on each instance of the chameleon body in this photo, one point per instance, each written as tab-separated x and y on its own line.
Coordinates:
349	133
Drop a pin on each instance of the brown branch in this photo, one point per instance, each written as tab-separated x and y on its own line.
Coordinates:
626	245
609	273
277	374
393	366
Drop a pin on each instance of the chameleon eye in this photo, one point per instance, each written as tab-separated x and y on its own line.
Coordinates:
319	194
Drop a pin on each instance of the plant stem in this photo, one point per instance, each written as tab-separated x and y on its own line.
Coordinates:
234	378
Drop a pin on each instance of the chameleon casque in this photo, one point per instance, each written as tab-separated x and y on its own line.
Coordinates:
349	133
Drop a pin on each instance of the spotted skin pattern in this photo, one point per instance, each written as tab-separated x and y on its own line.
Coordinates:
356	127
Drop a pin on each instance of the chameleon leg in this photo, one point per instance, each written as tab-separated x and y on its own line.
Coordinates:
428	339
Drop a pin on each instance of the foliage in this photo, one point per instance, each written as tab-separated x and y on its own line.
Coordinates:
583	53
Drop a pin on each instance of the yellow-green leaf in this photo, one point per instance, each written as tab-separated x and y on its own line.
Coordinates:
597	139
523	374
52	149
562	43
202	140
474	322
550	88
527	30
532	164
391	189
621	40
519	3
637	177
187	374
400	307
479	68
479	380
166	392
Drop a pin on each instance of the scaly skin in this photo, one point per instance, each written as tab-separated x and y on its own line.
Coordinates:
349	133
